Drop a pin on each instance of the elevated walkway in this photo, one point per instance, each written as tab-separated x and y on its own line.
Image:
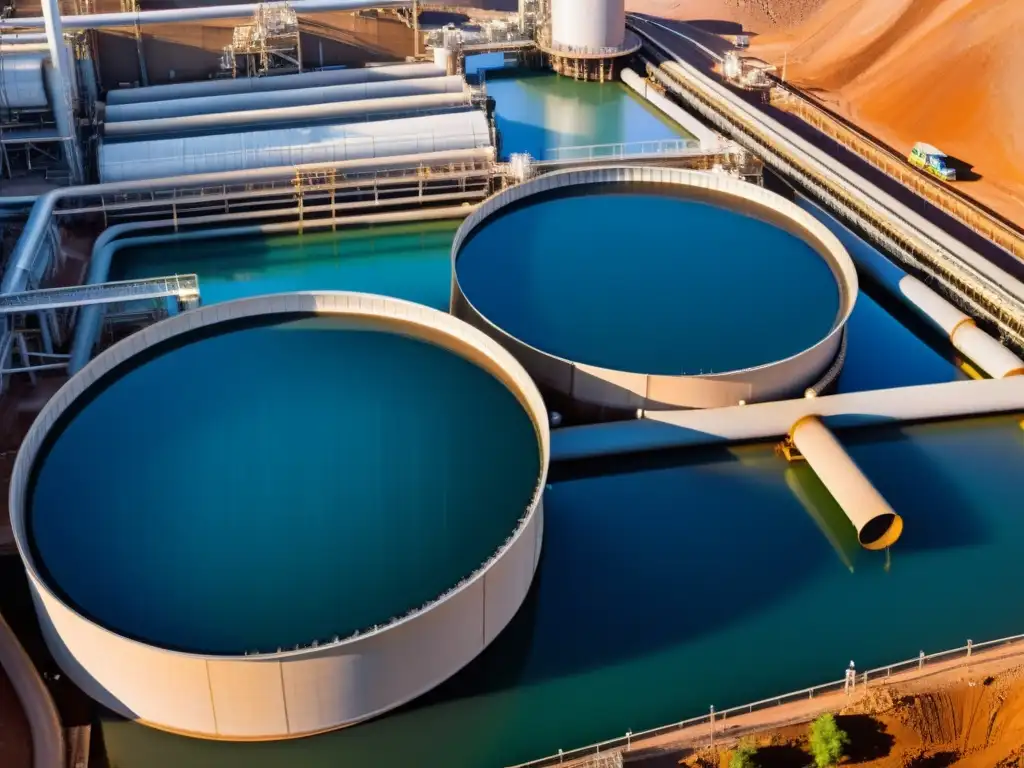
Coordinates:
184	287
682	153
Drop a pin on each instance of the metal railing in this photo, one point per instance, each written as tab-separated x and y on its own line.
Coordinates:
713	717
185	287
960	280
623	149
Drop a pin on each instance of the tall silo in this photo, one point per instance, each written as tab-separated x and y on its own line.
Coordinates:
586	36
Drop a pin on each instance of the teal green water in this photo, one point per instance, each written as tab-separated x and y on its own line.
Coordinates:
697	288
240	469
542	112
665	589
408	262
720	564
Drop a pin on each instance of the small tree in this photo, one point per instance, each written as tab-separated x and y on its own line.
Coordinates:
743	755
828	741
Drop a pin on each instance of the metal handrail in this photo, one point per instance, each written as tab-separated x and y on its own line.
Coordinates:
622	149
624	742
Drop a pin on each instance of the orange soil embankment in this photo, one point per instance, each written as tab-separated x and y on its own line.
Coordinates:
947	72
754	16
972	721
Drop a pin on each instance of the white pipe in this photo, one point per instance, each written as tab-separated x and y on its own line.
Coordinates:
106	245
983	350
257	85
659	430
266	118
292	97
22	260
177	15
878	526
709	140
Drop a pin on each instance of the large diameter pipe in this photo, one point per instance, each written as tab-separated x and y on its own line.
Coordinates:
709	140
877	525
266	118
293	97
983	350
178	15
257	85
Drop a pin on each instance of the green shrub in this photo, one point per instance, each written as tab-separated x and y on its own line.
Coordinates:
743	755
827	740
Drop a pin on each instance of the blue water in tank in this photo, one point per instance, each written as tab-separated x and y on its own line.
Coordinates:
275	485
689	288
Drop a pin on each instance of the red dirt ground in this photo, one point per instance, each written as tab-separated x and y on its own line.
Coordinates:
947	72
943	71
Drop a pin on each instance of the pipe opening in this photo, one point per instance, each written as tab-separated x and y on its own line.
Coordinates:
881	531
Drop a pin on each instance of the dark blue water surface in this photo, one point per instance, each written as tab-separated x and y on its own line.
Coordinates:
691	288
279	484
718	577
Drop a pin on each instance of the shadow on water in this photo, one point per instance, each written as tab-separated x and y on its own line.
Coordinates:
822	508
519	137
936	513
633	564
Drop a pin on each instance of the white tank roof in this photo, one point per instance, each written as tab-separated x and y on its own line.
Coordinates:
21	81
292	146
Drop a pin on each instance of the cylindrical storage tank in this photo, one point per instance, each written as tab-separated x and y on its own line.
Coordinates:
588	25
329	94
271	83
356	512
345	111
654	288
158	158
877	525
21	81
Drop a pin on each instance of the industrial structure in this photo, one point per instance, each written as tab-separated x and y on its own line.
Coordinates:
268	147
621	391
328	683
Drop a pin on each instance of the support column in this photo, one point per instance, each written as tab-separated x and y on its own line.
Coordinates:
57	76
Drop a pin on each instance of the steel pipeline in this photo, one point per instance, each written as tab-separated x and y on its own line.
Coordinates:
23	258
177	15
107	245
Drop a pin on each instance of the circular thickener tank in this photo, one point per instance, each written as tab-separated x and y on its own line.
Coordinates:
279	515
588	26
651	288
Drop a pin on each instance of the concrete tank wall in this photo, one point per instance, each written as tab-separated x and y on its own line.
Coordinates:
292	693
622	390
588	25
